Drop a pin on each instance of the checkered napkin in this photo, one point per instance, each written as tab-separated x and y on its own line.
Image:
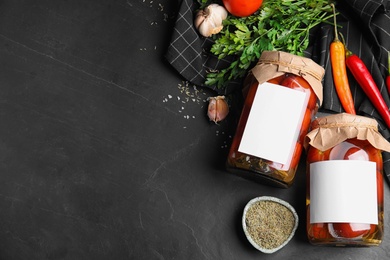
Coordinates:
188	51
365	27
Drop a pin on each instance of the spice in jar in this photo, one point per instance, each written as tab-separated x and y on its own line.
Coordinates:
282	92
344	198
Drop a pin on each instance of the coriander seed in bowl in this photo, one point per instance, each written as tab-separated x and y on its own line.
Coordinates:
269	223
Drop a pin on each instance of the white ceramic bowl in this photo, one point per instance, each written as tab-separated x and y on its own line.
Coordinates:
248	236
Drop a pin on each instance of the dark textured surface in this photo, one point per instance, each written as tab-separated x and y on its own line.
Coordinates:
105	154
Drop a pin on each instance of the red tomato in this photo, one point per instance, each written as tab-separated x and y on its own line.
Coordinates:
356	153
316	231
351	230
305	125
319	231
296	157
242	8
299	83
315	155
379	187
277	80
375	155
294	160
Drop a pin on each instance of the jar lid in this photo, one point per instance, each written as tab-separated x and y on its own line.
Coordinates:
331	130
276	63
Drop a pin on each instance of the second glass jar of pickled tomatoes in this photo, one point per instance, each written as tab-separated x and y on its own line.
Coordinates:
344	199
282	93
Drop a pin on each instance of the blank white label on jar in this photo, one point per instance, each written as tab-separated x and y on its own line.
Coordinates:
343	191
274	123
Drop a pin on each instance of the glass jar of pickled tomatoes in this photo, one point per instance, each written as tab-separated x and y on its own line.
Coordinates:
282	94
344	199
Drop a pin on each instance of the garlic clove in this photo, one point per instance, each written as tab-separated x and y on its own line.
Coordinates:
216	30
200	17
206	28
218	108
217	13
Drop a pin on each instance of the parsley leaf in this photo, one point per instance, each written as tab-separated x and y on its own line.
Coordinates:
282	25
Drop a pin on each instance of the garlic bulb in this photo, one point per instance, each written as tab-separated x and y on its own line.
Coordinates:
209	20
218	108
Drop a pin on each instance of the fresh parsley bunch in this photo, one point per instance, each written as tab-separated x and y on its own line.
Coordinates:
204	3
282	25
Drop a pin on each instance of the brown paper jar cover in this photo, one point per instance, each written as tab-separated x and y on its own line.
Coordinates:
331	130
276	63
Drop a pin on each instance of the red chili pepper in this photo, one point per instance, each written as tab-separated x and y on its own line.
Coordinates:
388	76
367	83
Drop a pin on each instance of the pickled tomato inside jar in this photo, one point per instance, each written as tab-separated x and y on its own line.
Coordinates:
352	149
281	95
350	230
291	81
299	84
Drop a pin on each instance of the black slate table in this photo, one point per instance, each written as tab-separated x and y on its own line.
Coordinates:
105	153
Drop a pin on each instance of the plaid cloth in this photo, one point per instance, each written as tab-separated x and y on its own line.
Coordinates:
365	27
188	51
